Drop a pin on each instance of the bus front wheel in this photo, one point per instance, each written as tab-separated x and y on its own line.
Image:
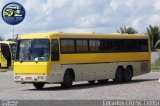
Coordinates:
67	80
38	85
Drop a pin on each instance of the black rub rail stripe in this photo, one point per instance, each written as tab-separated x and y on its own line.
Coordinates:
104	62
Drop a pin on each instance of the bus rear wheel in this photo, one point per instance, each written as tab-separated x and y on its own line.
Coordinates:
91	82
128	74
118	75
67	80
39	85
103	81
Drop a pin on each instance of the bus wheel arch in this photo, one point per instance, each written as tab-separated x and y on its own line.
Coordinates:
128	73
119	74
68	78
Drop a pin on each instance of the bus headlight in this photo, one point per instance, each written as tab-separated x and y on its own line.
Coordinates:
41	77
17	77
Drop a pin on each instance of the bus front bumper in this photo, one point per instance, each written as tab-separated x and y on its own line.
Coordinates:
30	78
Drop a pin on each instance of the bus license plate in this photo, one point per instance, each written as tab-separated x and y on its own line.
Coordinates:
28	78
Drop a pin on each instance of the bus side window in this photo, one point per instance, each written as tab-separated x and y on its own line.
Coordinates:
55	50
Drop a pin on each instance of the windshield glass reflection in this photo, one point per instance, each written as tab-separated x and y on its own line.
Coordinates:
33	50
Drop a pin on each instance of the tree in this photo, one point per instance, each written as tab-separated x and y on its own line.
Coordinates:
13	39
128	30
1	38
153	32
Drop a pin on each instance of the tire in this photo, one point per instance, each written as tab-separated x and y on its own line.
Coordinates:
103	81
38	85
67	80
118	75
128	74
91	82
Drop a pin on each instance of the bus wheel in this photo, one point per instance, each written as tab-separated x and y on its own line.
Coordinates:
118	75
39	85
67	80
128	74
91	82
103	81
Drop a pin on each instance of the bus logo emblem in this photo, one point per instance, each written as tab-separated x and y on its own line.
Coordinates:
13	13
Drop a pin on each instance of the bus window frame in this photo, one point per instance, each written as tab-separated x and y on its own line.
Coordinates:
17	49
54	58
100	51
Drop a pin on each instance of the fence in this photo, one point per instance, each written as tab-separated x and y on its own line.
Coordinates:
155	60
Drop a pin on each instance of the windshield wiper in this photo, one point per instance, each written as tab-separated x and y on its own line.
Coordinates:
21	60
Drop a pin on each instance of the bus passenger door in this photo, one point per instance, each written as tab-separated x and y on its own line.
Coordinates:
5	55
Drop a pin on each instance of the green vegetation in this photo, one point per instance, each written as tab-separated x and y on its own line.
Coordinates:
155	66
153	32
1	38
128	30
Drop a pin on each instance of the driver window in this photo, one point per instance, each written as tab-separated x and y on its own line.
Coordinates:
55	50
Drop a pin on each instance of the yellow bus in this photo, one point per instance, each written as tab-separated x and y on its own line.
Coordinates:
7	52
46	58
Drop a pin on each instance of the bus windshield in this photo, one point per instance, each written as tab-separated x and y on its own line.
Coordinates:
33	50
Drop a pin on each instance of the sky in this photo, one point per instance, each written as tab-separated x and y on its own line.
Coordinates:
99	16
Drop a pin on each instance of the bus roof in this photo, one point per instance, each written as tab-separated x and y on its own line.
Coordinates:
7	42
81	35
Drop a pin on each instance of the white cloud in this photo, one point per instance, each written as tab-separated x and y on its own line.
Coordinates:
154	19
56	3
129	3
157	5
103	16
136	23
116	3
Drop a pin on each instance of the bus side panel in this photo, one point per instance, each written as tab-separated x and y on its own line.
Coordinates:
83	72
56	73
98	71
98	66
103	57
